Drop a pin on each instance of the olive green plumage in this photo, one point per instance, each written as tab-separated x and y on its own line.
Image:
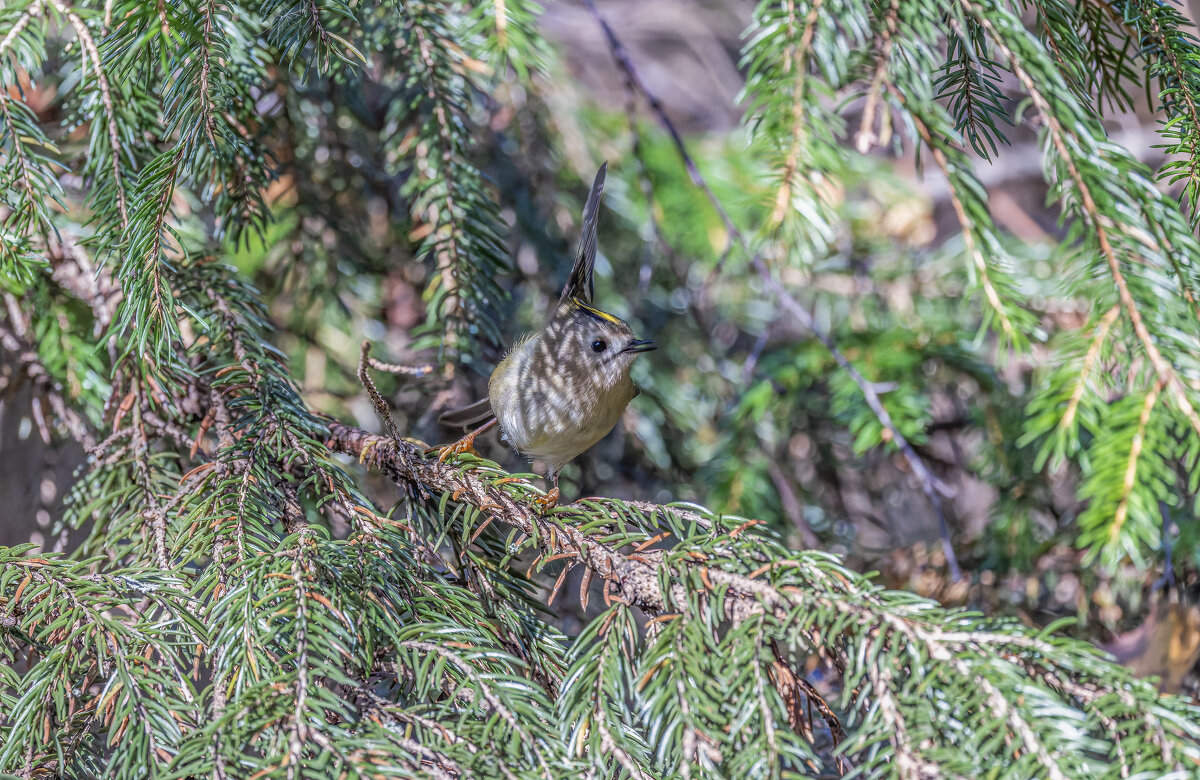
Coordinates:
562	389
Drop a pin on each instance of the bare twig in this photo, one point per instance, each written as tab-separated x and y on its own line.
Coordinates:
381	407
399	368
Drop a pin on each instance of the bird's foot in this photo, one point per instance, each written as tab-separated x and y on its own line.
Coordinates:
548	501
464	446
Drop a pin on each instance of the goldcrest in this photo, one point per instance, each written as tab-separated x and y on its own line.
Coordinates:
562	389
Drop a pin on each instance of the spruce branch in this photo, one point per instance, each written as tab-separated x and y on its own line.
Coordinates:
505	34
795	66
867	137
88	43
1060	138
252	613
667	582
30	186
457	222
1131	468
1099	334
31	12
971	81
487	694
1166	47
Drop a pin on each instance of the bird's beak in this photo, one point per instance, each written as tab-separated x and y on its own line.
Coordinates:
638	345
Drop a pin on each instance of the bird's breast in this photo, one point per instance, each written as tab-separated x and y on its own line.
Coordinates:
553	415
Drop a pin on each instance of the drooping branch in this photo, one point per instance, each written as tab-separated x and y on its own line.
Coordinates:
1062	141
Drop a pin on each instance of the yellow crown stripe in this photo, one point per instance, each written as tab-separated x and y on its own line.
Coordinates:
596	312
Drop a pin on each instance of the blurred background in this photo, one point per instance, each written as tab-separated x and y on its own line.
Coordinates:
742	409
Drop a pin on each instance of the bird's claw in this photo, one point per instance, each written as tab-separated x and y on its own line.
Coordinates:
548	501
464	446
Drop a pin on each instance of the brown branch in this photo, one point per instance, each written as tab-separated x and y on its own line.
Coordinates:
314	16
791	504
207	108
635	577
636	581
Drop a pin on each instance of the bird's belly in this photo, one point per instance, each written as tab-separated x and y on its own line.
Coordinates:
549	427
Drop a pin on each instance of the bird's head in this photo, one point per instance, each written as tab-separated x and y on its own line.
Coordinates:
593	346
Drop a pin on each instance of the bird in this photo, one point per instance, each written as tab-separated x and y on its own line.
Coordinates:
561	389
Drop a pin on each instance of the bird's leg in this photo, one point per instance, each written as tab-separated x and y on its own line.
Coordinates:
550	500
464	445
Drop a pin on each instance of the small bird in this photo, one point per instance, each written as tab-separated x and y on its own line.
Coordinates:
562	389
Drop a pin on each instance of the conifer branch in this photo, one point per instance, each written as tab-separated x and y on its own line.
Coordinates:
656	582
27	16
1058	137
456	219
1131	468
885	40
454	261
249	612
1179	91
93	54
795	65
1099	334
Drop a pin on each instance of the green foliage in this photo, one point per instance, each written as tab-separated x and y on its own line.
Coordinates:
208	205
790	115
447	192
27	155
971	86
1169	51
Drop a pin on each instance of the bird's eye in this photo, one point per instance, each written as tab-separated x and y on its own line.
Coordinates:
599	345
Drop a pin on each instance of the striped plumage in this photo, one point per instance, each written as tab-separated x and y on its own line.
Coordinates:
555	395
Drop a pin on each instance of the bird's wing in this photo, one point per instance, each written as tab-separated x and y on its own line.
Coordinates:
467	416
579	283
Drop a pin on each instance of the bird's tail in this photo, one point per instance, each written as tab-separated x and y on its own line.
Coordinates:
467	416
579	283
